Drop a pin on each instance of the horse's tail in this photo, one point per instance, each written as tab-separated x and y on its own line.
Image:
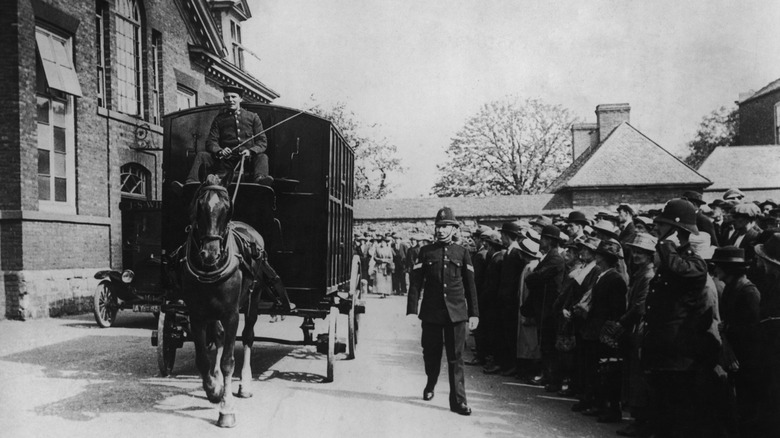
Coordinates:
214	332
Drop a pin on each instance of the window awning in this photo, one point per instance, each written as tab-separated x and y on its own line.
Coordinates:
58	66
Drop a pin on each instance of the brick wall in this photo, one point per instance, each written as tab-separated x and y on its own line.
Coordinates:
46	266
605	197
757	120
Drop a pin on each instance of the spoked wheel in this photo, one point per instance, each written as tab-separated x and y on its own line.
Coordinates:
166	344
332	317
353	316
106	305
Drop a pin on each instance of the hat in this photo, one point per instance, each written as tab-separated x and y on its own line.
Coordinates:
644	220
768	202
532	234
590	242
606	227
541	221
575	243
701	245
611	248
553	232
529	248
733	194
716	203
445	216
492	236
511	228
680	214
644	241
233	89
577	217
480	230
605	215
728	255
694	197
746	209
626	207
770	251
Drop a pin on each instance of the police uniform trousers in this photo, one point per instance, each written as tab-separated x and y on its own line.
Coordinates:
255	168
451	336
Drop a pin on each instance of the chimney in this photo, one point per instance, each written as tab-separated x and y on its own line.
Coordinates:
583	136
609	116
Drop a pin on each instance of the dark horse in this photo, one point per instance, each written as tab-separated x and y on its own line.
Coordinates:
223	271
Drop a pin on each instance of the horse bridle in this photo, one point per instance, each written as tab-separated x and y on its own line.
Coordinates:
199	242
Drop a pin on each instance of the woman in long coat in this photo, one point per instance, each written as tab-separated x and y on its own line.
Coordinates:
383	268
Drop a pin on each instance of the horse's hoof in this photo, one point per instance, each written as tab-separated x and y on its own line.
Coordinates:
226	420
243	393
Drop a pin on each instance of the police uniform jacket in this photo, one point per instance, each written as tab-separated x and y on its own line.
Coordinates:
677	315
229	129
446	274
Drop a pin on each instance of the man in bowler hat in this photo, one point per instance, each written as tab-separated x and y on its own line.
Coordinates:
445	271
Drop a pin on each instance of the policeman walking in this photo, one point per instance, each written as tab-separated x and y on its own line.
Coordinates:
444	270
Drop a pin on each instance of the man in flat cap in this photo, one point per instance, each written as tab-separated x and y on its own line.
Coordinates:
234	133
444	270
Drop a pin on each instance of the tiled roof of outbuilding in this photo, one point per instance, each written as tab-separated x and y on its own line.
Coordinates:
772	86
426	208
627	158
743	167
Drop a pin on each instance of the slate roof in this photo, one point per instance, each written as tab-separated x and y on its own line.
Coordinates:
627	158
772	86
743	167
487	208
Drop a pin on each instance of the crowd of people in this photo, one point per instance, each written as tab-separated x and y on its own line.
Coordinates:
672	315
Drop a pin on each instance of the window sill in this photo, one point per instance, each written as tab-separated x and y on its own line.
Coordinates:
42	216
130	120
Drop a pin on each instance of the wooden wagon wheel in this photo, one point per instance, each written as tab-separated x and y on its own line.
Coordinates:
166	344
332	318
353	316
106	305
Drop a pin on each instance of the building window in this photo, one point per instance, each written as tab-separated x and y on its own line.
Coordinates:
56	86
185	97
128	58
155	104
777	123
136	181
235	41
101	36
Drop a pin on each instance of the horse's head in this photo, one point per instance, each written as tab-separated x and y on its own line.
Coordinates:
210	214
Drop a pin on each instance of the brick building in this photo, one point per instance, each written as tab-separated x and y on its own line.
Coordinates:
85	84
753	166
612	163
759	115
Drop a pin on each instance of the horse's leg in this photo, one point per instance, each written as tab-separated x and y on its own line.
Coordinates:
227	363
248	338
202	360
217	376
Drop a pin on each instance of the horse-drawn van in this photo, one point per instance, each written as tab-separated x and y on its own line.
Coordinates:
301	264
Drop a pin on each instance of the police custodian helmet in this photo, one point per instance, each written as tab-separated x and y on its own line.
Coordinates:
445	216
681	214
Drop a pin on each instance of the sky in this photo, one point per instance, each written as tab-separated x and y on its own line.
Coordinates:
421	68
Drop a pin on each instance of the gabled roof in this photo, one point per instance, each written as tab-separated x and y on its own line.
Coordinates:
743	167
769	88
627	158
208	49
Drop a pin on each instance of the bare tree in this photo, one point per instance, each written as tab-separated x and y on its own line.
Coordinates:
375	156
509	147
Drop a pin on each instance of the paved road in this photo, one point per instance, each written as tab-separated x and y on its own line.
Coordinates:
69	378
